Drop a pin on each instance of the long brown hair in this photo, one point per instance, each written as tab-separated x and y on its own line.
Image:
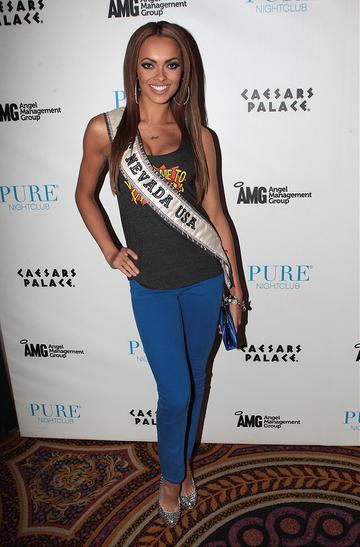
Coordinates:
189	117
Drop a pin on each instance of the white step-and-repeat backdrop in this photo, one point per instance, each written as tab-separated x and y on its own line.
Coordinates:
282	96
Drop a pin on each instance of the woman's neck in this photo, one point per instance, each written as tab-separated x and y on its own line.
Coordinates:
155	114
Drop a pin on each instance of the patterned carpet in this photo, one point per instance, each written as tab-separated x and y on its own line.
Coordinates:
90	493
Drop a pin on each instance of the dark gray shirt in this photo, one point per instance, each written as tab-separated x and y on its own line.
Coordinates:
166	259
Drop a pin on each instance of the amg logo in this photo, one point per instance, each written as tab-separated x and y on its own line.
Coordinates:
123	8
35	350
9	112
246	420
258	194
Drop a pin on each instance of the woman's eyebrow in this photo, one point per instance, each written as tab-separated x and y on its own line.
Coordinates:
153	60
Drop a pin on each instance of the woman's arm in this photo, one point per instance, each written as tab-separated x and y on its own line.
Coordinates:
96	150
212	205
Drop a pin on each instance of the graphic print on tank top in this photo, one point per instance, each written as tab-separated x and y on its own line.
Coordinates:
173	174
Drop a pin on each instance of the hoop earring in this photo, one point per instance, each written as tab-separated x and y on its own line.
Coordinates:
186	100
136	92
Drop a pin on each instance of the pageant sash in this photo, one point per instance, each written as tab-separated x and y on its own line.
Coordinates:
166	201
112	119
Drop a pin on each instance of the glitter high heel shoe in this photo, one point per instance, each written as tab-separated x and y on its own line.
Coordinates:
188	501
171	518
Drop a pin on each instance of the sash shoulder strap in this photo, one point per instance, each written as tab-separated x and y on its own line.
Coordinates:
112	118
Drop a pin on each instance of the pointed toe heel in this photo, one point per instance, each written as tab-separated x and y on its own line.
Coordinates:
171	518
188	501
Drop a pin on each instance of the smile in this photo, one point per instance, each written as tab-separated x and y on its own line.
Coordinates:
159	88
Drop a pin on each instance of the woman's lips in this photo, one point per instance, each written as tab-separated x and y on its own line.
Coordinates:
159	89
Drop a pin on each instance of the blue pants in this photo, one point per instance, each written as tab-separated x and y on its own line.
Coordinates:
177	328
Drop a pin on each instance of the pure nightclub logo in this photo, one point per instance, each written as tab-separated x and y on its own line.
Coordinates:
279	276
120	97
352	419
278	6
136	350
56	413
29	197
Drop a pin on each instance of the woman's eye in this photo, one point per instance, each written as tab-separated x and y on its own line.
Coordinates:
172	66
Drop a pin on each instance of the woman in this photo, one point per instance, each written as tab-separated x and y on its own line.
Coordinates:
176	285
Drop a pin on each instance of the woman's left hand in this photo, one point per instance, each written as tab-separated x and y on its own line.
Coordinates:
235	311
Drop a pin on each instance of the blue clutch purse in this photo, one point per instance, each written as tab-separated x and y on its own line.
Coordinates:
228	331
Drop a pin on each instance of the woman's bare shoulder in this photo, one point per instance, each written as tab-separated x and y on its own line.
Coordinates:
104	125
96	127
101	129
207	138
96	136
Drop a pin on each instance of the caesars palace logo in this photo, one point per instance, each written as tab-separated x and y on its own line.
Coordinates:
279	99
22	12
143	417
272	353
47	277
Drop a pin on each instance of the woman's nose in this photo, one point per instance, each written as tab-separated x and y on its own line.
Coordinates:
160	73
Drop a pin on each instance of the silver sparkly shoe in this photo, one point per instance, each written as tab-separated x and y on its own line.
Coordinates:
188	501
171	518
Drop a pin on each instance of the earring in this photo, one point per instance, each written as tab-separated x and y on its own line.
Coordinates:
136	92
186	100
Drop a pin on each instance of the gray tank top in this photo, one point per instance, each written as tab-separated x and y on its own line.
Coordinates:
166	259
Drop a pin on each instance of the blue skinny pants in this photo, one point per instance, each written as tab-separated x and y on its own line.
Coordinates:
177	328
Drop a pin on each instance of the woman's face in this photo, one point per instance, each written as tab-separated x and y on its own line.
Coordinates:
159	69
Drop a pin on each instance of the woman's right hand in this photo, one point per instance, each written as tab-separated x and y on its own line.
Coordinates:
121	261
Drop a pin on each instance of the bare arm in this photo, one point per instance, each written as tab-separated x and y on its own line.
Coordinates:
96	150
212	205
